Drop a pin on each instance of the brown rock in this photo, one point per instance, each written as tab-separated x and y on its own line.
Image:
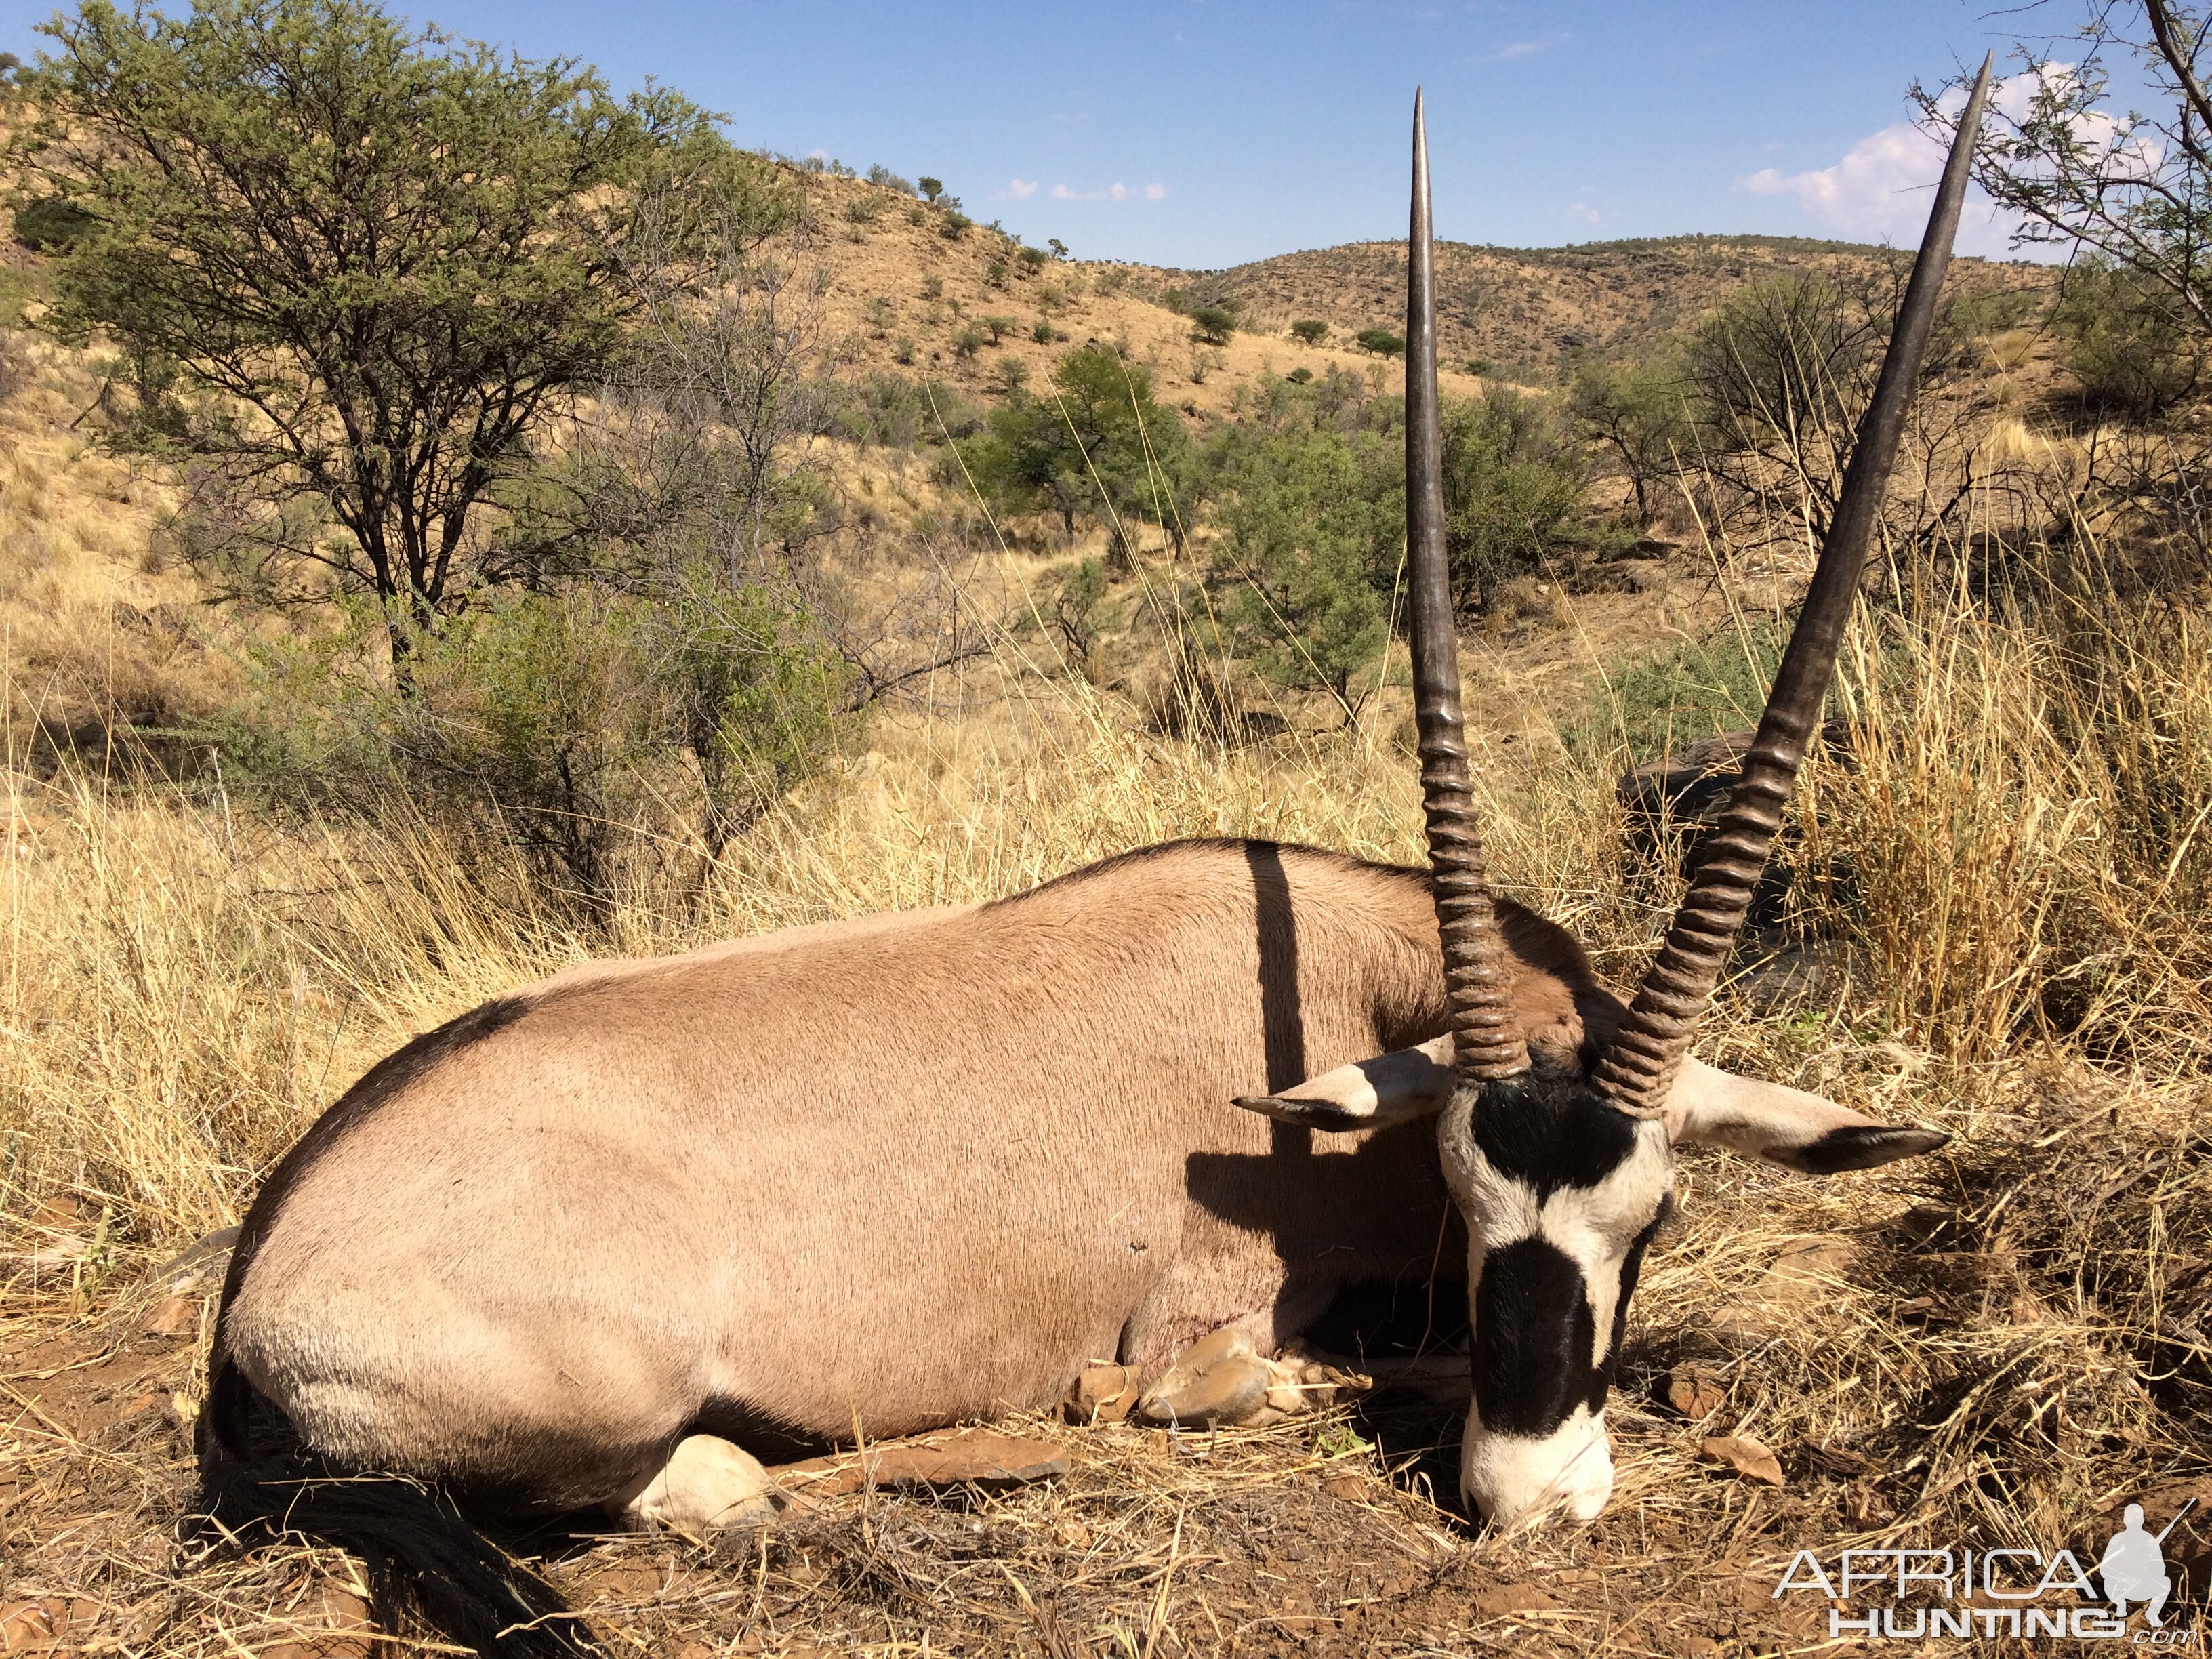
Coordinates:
1498	1600
349	1634
173	1316
1808	1269
40	1625
1695	1391
1346	1485
1752	1459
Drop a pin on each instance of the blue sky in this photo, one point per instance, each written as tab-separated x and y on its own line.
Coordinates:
1235	130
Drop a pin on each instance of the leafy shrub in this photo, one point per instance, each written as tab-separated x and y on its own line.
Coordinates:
1300	376
1309	331
1381	342
1102	429
1513	492
1307	528
931	188
954	225
880	174
997	327
52	224
2125	344
1212	324
968	342
1033	259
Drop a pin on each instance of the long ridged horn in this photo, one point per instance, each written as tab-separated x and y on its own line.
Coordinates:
1638	1069
1486	1039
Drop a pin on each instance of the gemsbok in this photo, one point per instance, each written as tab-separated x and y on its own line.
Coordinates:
610	1240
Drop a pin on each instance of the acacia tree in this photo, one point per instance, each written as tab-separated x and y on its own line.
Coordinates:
2135	187
1096	440
355	266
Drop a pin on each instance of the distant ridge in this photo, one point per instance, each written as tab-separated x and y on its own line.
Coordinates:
1519	312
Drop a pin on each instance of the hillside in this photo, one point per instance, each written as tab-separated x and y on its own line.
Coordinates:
899	287
1520	310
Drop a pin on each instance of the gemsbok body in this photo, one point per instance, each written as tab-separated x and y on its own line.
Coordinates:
613	1239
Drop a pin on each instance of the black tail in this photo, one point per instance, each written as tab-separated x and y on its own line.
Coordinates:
420	1553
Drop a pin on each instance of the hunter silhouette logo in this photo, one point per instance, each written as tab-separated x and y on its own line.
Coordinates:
2133	1565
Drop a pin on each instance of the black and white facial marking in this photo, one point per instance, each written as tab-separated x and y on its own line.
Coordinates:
1562	1193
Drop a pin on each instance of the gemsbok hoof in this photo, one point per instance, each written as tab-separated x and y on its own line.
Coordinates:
1220	1380
707	1484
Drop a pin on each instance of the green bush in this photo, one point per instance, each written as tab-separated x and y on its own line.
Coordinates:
51	224
1307	526
583	724
1381	342
1212	324
1513	493
2125	344
1100	430
1309	331
1652	705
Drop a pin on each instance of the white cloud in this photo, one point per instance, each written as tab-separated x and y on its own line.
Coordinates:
1883	185
1020	190
1583	211
1115	192
1513	49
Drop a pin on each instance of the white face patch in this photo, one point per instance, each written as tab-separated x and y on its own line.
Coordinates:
1510	1478
1558	1205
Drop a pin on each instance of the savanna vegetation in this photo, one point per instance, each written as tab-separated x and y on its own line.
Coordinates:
456	520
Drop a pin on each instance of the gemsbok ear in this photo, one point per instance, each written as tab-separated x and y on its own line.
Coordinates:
1785	1125
1368	1094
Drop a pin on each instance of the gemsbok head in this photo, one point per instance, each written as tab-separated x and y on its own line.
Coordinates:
1564	1177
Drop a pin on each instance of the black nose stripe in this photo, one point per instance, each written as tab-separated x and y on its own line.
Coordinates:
1535	1335
1533	1339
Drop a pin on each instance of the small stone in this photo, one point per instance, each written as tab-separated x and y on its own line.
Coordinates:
173	1316
42	1625
1808	1269
1695	1392
1752	1459
1346	1485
